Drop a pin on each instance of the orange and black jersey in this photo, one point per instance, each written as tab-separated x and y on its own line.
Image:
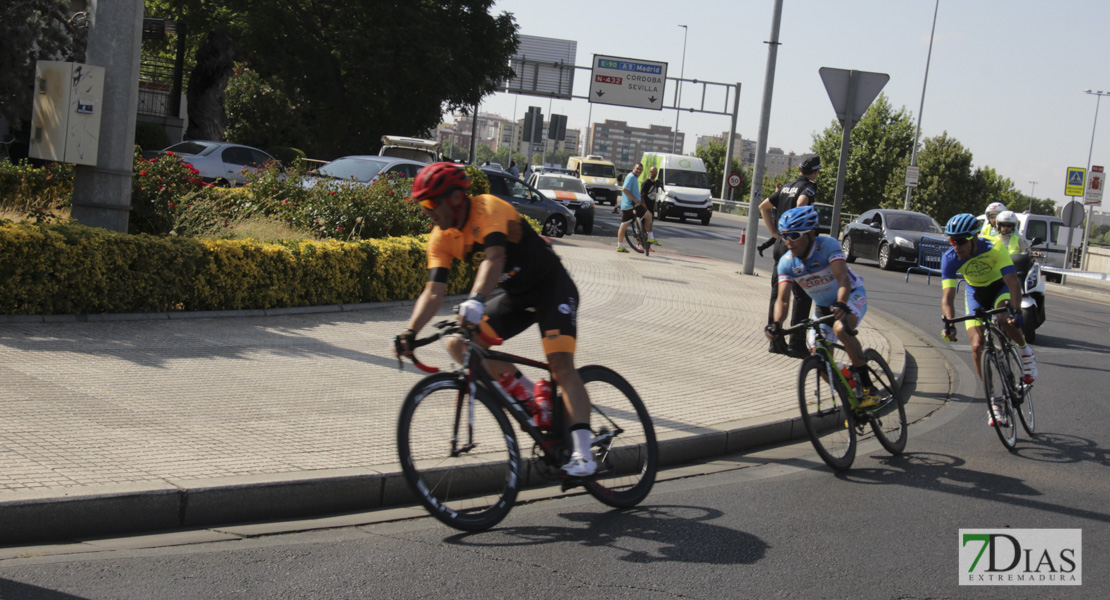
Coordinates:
493	222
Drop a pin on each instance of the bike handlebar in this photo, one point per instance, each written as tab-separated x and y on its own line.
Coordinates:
808	323
978	314
445	327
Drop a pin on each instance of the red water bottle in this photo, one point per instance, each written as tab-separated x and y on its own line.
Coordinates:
542	399
847	373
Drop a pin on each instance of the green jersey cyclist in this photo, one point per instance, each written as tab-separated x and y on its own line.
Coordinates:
991	282
520	281
816	263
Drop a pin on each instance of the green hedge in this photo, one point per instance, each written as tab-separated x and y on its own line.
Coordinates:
74	269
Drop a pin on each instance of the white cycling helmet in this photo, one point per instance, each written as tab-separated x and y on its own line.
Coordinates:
994	208
1008	217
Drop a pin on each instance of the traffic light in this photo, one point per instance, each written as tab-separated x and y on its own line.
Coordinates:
533	125
557	129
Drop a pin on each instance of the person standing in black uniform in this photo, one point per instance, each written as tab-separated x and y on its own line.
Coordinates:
800	192
649	188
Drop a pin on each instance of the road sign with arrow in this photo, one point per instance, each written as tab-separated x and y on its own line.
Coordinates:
628	82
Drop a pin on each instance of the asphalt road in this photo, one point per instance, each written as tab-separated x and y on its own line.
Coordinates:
771	523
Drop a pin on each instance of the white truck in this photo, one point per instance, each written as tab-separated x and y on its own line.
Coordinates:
685	191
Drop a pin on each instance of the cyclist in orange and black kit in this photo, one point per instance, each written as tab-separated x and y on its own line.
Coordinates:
517	271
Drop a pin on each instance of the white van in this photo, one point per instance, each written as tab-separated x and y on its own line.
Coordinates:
685	192
425	151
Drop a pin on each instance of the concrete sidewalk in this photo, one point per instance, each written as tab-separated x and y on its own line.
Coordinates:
120	423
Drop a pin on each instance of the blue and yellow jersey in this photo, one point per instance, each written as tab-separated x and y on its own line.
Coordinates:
985	266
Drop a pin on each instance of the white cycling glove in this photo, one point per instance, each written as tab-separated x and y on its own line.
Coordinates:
472	310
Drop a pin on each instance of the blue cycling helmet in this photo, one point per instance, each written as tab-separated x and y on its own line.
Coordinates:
802	218
962	224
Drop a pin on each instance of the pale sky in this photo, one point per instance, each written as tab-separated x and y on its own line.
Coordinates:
1006	78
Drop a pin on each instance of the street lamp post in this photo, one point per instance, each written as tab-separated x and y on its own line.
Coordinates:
678	93
1034	183
1091	209
921	108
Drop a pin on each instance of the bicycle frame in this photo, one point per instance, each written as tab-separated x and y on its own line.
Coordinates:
477	375
824	349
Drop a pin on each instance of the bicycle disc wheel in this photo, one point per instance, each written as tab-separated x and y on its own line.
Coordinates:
624	443
475	488
996	386
1023	393
888	419
827	419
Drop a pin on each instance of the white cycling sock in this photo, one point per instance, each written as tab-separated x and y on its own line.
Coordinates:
582	438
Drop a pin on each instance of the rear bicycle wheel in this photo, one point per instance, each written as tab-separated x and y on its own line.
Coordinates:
1023	392
467	477
624	444
888	419
997	390
827	418
644	243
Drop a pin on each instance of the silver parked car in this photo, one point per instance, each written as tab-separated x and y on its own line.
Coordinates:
557	219
364	169
221	163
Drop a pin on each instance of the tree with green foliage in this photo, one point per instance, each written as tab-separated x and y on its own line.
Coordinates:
713	155
30	31
947	185
879	149
354	71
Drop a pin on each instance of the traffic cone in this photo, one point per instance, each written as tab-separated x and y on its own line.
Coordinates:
743	234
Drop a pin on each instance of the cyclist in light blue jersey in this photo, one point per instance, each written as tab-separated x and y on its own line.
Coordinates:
816	263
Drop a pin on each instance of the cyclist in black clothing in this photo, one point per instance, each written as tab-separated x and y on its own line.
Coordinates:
800	192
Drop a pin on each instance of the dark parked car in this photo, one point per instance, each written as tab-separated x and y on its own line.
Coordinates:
557	219
888	236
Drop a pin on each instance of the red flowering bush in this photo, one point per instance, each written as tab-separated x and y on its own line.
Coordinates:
168	196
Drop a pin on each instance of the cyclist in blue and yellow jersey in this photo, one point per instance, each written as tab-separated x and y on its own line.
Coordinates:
520	282
816	264
991	282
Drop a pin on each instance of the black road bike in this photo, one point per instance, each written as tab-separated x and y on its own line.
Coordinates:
460	453
1003	379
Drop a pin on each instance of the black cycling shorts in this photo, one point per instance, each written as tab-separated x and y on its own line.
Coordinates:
552	304
626	215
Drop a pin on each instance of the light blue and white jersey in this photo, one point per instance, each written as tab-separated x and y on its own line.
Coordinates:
814	273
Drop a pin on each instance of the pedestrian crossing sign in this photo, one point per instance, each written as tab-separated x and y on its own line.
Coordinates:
1076	182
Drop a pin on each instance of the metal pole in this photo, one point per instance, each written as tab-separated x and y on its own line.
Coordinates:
678	92
847	124
1031	190
1090	209
921	108
102	193
756	193
728	146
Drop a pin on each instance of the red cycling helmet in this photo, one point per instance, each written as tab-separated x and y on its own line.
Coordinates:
438	179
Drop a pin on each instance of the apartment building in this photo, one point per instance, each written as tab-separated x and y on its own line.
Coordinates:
625	145
775	163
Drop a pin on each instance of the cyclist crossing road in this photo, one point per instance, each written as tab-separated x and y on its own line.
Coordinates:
816	264
531	285
991	282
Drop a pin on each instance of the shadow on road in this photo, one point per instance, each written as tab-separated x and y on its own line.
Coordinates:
14	589
669	528
945	473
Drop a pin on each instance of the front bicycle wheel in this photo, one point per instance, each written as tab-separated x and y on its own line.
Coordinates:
888	418
1023	392
465	473
827	418
633	235
624	442
997	389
